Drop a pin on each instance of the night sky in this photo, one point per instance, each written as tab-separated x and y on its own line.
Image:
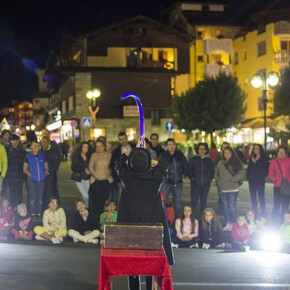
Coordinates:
30	29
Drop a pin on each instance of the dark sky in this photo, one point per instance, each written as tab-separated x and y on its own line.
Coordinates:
30	29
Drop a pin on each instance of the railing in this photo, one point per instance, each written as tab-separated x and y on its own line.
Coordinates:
282	56
212	45
214	69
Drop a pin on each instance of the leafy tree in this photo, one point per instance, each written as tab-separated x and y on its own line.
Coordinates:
216	103
282	94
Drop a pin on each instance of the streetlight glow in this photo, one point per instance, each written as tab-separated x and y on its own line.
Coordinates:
93	94
272	79
256	81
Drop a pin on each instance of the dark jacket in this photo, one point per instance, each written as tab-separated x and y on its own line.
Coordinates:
201	170
140	200
176	166
256	172
26	221
15	163
53	159
159	150
79	165
82	226
115	155
211	235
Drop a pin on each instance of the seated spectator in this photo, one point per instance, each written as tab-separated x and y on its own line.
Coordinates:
284	232
169	213
256	227
7	216
240	233
211	233
23	228
54	224
84	225
109	215
186	230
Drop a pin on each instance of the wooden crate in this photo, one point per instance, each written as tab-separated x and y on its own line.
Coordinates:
133	236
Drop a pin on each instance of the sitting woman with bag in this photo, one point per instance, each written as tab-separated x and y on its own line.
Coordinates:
80	167
279	173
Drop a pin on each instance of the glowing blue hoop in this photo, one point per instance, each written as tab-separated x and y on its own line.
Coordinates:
141	115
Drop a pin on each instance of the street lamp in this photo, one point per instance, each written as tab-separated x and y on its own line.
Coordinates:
263	81
93	95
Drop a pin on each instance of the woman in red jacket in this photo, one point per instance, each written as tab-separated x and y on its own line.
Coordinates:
276	177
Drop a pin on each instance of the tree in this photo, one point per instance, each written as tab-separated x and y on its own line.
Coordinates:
282	94
216	103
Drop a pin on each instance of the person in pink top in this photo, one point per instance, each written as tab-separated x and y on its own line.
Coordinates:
186	229
276	178
7	216
240	233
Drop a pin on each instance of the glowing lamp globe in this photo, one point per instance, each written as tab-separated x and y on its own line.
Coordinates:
272	79
256	81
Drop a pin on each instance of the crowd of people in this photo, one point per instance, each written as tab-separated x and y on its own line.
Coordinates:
93	165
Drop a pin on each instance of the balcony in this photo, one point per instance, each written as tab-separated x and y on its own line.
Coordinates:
135	62
213	45
282	57
212	70
282	28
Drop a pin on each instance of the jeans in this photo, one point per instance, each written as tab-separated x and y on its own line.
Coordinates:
83	188
176	191
199	192
260	190
35	200
229	200
185	244
15	192
279	199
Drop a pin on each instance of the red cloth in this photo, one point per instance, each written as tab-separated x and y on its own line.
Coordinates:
120	262
6	218
240	233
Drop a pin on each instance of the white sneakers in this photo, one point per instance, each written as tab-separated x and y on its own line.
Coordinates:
206	246
39	238
174	246
194	246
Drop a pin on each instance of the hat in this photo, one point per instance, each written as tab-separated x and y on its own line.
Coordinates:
139	160
14	137
21	207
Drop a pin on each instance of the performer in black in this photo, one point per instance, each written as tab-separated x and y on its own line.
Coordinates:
140	200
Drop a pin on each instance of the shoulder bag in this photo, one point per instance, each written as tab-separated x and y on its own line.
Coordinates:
76	176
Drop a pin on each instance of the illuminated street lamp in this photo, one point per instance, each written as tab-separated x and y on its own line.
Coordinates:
263	81
93	95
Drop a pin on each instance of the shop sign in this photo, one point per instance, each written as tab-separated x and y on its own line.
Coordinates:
130	111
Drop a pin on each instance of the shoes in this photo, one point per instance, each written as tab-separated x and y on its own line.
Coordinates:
93	241
222	245
101	241
39	238
194	246
56	240
205	246
228	227
174	246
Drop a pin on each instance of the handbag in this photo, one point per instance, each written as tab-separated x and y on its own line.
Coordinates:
285	184
76	176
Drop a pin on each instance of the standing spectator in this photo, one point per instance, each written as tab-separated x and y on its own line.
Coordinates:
53	159
36	168
219	156
201	171
124	147
23	227
3	164
154	139
190	153
80	168
276	177
54	224
7	216
64	150
213	152
229	175
92	144
256	174
152	152
30	137
6	135
84	225
15	175
100	178
177	168
186	229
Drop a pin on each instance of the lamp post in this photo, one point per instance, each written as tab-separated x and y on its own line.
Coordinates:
93	95
263	81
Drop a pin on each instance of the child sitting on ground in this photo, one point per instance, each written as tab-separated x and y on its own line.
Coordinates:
186	230
212	234
84	225
7	216
240	233
109	215
23	227
284	232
